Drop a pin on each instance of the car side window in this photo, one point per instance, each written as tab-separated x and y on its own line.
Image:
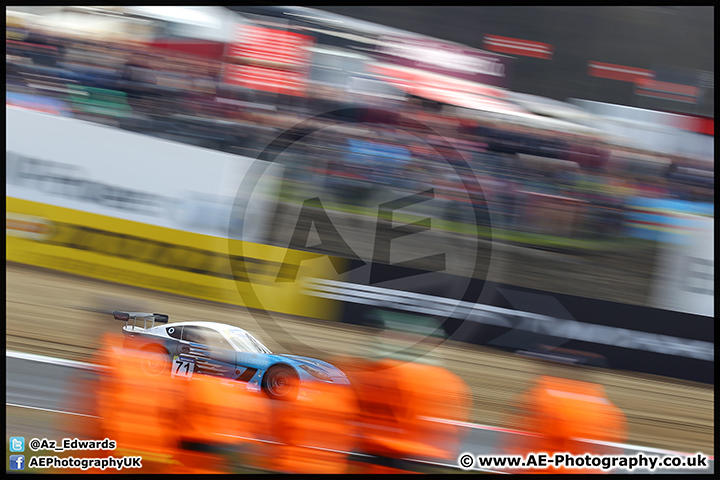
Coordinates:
193	334
205	336
174	332
215	339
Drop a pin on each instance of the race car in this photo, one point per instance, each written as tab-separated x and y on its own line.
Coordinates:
230	352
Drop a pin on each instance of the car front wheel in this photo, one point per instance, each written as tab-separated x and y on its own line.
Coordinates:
281	383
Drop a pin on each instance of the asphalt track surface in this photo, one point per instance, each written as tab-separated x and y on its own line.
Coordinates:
47	314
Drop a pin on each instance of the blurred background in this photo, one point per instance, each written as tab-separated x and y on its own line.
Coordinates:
569	151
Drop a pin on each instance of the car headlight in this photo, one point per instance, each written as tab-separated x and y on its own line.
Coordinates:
316	373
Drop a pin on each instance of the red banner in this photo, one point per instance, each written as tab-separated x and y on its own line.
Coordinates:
199	48
516	46
618	72
695	123
270	60
667	90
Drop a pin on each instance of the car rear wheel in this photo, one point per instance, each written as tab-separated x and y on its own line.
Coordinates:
155	361
281	383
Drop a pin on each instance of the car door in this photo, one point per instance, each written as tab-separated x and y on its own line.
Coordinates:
212	353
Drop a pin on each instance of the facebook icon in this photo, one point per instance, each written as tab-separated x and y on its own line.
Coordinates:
17	462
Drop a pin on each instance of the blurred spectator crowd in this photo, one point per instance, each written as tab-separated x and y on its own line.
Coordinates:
530	179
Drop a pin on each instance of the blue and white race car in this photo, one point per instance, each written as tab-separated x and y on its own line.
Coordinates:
218	349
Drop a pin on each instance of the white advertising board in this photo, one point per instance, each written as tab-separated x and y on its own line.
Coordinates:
98	169
685	276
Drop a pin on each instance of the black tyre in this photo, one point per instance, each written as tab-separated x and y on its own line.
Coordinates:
281	383
155	361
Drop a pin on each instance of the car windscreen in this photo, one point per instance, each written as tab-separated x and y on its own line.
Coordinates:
245	342
258	344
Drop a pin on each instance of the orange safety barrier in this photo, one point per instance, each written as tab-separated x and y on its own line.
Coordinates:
139	411
560	411
317	430
219	418
395	400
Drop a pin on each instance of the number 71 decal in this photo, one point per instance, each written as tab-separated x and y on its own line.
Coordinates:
183	367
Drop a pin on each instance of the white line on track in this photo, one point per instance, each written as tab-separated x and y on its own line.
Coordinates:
48	410
55	361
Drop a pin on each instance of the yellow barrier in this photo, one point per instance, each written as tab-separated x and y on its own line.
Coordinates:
158	258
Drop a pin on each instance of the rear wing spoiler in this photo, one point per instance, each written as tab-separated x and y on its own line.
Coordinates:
135	316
